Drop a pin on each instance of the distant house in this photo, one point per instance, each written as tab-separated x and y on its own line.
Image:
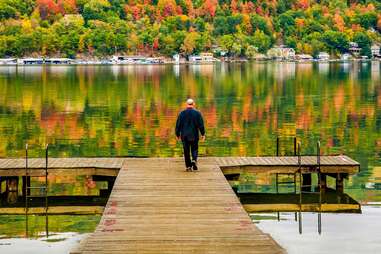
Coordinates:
176	58
375	51
30	61
281	53
303	57
323	56
58	61
128	59
202	58
346	57
354	48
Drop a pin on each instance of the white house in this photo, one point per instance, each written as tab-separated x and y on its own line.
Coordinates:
323	56
346	57
303	57
176	58
202	58
128	59
354	48
281	53
375	50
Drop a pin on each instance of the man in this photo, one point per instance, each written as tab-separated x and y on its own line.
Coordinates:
189	124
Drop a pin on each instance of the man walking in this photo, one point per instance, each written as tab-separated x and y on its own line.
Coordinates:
189	124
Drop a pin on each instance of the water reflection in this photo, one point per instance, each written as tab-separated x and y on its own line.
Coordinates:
131	110
75	204
270	202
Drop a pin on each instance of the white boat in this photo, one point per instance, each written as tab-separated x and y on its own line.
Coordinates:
8	61
56	61
129	59
30	61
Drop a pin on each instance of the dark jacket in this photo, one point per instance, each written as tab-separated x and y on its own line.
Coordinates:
189	124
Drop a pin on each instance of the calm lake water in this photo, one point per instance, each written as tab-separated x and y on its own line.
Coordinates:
131	111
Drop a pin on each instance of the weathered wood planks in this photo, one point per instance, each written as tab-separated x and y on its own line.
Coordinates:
157	207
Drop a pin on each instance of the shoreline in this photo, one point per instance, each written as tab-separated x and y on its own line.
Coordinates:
199	63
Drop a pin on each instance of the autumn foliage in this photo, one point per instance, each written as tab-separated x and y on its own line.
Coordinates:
106	27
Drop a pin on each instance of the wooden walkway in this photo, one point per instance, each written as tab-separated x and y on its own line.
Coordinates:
157	207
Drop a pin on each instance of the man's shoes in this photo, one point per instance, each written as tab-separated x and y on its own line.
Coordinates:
188	169
194	165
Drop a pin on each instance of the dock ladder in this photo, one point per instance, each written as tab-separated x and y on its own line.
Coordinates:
28	189
293	175
301	188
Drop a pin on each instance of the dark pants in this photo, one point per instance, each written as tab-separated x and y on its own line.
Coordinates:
190	146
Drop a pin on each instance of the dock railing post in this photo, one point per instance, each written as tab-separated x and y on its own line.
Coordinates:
26	190
276	174
300	189
46	190
277	146
320	186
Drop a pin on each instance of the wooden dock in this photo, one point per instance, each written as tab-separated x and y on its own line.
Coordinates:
340	164
157	207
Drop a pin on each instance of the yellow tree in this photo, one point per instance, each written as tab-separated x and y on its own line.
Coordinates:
189	43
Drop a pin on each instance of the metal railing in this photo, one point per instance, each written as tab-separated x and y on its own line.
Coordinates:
28	189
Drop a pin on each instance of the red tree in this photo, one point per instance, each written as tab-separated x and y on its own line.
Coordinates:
47	8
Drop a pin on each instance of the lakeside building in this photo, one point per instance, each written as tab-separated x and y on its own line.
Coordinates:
202	58
346	57
323	56
281	53
55	61
303	57
136	60
375	49
30	61
8	61
176	58
354	49
128	59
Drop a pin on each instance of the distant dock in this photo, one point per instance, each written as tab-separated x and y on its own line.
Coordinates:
157	207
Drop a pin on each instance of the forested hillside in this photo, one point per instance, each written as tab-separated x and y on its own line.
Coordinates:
75	28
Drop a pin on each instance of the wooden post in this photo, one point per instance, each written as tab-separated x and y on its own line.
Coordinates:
339	183
24	186
277	146
307	181
323	179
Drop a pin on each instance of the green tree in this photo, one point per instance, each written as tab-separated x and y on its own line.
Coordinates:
335	41
364	42
261	41
96	9
226	42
